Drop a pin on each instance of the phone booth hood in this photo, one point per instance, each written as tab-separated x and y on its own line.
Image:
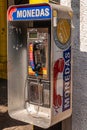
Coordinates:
39	63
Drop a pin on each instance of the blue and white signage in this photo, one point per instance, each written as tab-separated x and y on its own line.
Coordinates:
38	12
67	79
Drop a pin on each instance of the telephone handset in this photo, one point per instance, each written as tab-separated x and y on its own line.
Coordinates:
58	68
35	56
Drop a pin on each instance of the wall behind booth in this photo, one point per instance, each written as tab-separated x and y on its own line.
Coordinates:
79	115
79	118
3	39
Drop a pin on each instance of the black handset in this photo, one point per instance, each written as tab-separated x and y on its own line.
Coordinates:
35	56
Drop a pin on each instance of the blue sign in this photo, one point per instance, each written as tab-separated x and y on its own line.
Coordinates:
67	79
39	12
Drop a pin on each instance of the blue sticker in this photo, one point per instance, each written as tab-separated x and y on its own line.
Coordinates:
30	13
67	79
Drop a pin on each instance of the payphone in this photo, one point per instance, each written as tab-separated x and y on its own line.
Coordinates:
39	63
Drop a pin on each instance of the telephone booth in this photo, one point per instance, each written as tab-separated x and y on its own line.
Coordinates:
39	63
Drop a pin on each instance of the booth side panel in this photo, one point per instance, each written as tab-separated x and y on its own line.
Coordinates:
62	67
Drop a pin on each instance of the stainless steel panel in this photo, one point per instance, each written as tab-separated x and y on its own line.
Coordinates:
17	69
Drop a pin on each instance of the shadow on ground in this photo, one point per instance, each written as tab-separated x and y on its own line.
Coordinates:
6	122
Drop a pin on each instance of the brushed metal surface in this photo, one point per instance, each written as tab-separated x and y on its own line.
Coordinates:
17	70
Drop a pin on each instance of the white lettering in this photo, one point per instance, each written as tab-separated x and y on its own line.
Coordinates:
32	13
67	71
37	12
67	78
67	103
67	55
19	14
67	93
28	13
24	13
46	12
42	12
67	62
67	85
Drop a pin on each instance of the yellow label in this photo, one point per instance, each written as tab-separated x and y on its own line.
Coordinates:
30	48
38	1
63	31
54	13
30	71
42	72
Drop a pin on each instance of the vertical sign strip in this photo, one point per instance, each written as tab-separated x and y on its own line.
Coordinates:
67	79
